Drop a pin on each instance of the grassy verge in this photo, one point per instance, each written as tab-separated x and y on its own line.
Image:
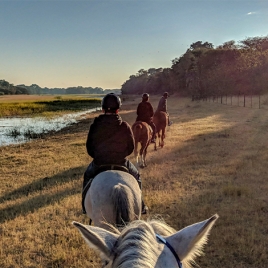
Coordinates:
214	161
46	107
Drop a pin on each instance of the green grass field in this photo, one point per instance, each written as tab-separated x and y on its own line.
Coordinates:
45	105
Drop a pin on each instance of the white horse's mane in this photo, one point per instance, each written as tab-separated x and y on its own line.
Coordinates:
138	239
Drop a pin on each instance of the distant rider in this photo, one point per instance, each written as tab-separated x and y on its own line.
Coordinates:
110	140
145	113
162	106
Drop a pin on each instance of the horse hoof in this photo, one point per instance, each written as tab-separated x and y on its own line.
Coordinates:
142	166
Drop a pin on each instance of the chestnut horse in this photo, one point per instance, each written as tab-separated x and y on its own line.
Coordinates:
160	120
143	135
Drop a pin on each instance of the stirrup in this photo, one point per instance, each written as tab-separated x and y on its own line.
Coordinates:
170	123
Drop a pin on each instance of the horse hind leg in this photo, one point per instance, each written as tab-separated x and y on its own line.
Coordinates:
144	155
162	143
136	154
137	158
142	162
162	138
155	147
142	165
159	139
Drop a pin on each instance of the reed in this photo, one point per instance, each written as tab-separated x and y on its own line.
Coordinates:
214	161
47	107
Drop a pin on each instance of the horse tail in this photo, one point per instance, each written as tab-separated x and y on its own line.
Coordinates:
123	201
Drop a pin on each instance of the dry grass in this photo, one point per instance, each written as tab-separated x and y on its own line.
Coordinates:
214	161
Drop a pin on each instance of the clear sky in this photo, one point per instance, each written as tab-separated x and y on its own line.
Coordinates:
100	43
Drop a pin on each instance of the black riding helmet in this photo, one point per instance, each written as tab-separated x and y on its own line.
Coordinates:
145	96
166	94
111	102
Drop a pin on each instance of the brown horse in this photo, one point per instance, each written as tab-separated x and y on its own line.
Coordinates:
160	120
143	135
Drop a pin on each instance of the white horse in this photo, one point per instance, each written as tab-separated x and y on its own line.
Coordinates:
148	244
113	197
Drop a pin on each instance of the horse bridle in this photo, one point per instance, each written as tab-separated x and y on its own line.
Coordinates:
164	241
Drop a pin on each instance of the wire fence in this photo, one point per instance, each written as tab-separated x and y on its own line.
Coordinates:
252	101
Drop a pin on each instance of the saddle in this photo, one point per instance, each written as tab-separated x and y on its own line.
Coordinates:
103	168
100	169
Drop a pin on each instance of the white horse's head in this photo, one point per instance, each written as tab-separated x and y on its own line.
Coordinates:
148	244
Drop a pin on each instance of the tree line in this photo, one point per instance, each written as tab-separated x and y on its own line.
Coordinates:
9	89
229	69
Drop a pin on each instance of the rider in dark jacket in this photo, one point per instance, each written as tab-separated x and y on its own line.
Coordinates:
110	140
145	113
162	106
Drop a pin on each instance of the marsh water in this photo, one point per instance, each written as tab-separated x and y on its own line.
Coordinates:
17	130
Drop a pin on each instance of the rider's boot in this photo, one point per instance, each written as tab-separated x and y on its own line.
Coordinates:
144	208
83	198
84	191
169	122
83	207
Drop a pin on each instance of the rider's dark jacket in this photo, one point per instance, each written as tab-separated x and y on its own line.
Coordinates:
145	111
162	105
110	140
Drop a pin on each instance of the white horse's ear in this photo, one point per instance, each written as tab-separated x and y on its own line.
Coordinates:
188	242
97	238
